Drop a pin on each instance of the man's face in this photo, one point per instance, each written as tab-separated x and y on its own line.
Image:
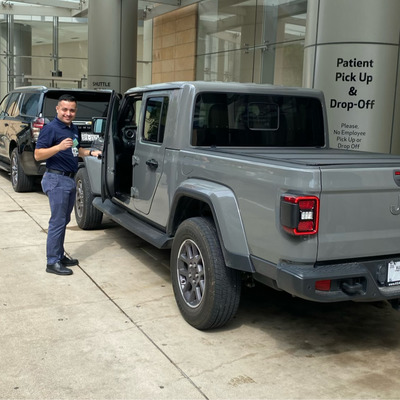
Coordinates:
66	111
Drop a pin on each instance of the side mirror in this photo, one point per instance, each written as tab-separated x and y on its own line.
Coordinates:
99	126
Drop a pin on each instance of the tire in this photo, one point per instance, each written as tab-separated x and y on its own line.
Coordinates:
211	298
19	181
86	215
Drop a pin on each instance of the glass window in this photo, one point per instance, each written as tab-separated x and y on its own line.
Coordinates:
144	52
279	50
73	52
130	113
3	105
3	58
225	35
30	103
258	41
94	104
34	61
12	108
257	120
155	118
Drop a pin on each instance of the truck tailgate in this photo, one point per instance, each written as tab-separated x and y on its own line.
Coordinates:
359	211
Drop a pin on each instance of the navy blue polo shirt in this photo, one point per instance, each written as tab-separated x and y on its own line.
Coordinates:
54	133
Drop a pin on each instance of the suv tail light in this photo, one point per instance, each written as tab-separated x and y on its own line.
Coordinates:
36	126
299	214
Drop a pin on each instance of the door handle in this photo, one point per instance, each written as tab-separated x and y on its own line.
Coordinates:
153	164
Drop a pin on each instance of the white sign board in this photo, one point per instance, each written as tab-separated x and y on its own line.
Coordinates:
357	80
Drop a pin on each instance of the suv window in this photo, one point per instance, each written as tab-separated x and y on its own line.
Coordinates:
30	104
12	108
89	106
3	105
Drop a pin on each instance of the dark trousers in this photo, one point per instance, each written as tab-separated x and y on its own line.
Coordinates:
61	193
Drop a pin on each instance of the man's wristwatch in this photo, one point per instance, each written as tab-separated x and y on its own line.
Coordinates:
90	152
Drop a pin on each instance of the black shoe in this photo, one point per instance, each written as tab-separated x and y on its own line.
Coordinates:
58	269
68	262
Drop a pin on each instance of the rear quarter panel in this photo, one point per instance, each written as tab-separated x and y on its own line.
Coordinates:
258	186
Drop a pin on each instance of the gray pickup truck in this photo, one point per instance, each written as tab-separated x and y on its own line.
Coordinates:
238	180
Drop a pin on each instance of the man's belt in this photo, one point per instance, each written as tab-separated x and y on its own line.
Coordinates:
56	171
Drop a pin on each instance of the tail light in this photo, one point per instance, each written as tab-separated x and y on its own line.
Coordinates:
36	126
324	285
299	214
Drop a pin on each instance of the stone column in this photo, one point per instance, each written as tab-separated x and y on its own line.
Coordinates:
112	44
352	53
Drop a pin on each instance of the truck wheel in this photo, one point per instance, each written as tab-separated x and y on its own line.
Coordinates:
206	291
19	181
87	216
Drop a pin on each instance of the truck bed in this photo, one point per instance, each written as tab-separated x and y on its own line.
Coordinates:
359	200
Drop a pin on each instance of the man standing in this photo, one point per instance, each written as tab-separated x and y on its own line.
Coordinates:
59	145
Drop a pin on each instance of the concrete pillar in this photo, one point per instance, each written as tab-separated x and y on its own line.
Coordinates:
112	44
352	54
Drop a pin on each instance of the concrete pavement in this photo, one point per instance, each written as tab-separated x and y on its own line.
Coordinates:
112	330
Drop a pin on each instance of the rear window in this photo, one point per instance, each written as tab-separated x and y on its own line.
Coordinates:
244	120
30	104
89	105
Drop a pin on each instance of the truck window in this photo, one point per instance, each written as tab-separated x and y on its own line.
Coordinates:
131	111
257	120
155	118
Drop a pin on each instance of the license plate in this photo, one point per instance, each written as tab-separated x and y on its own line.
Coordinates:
89	137
393	276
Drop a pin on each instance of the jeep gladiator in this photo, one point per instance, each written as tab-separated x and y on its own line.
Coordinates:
238	180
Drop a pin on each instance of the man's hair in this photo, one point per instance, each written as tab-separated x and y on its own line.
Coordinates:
67	97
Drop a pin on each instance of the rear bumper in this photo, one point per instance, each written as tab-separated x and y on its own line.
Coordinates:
364	280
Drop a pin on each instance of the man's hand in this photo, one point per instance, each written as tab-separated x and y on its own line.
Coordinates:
66	144
96	153
44	154
86	152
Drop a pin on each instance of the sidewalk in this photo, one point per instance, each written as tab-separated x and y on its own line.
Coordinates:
112	330
62	337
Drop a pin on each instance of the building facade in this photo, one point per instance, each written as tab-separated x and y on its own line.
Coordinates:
348	49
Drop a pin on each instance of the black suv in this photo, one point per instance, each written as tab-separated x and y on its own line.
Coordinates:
24	111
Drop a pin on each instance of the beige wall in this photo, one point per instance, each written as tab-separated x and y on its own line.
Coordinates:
174	45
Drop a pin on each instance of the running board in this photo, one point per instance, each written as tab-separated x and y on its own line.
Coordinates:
133	224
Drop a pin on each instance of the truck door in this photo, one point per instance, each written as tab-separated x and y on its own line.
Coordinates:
149	152
108	165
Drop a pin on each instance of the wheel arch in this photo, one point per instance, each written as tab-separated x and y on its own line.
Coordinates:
195	197
13	145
